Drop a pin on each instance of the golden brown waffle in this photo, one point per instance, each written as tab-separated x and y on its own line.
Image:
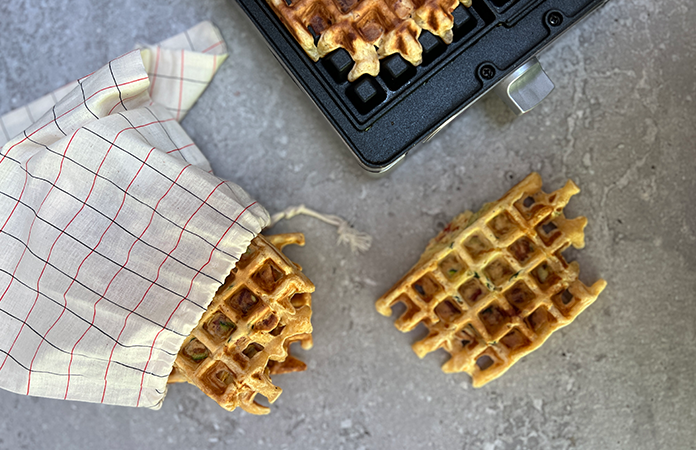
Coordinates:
243	337
367	29
493	286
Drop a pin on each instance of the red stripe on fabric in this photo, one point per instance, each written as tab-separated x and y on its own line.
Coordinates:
137	127
212	47
113	87
49	255
181	86
65	301
67	112
125	323
89	98
118	103
154	74
80	80
114	107
26	178
31	227
181	148
210	257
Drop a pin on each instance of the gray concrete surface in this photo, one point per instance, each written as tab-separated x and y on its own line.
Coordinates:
621	123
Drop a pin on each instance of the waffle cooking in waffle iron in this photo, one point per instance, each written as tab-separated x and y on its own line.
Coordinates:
243	338
494	285
367	29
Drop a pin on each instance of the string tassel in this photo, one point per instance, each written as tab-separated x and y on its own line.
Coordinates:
357	240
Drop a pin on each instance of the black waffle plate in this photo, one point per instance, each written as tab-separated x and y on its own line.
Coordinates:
382	118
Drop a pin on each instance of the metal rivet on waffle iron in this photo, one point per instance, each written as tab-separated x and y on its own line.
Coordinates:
487	72
554	18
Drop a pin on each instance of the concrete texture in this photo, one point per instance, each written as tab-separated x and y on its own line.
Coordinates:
621	123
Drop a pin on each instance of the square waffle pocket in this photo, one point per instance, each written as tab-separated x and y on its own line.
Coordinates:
367	29
243	338
494	285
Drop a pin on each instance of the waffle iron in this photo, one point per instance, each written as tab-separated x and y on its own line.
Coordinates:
382	118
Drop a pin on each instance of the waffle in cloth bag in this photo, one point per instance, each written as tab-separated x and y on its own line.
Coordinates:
494	285
115	237
243	338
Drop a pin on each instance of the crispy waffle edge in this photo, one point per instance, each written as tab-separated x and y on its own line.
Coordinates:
367	30
485	307
263	306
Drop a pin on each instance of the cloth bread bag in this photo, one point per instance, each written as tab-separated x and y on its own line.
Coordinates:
114	232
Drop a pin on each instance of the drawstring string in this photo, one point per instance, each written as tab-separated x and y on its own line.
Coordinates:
357	240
